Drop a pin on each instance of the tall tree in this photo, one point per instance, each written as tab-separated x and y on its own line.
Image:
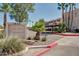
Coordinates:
70	15
5	8
73	6
61	6
66	15
21	10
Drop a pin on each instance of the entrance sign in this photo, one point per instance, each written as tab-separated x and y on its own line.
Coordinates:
17	30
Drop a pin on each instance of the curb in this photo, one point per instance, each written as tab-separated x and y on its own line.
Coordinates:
49	47
46	50
70	34
66	34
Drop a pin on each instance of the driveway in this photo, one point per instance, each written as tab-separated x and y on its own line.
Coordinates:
67	46
61	50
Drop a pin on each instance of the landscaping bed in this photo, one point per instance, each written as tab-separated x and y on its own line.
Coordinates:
49	38
14	46
11	46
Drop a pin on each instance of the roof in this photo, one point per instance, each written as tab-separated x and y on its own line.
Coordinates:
58	19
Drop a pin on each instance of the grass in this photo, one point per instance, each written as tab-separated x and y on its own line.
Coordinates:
11	46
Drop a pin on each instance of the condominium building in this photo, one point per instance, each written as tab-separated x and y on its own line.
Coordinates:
50	25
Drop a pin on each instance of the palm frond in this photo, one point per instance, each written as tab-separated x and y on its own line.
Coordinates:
59	8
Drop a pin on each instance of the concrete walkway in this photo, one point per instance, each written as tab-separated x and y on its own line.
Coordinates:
67	46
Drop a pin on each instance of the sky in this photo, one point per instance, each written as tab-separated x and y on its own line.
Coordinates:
47	11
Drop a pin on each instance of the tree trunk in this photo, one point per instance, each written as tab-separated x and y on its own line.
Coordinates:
69	18
62	15
72	17
37	36
5	20
66	18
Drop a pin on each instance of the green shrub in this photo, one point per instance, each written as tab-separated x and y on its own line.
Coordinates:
43	39
61	28
11	46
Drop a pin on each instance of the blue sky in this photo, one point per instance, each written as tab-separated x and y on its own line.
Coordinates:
48	11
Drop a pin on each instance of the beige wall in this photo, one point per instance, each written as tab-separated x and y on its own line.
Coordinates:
16	30
20	31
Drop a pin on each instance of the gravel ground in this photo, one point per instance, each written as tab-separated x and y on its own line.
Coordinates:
50	39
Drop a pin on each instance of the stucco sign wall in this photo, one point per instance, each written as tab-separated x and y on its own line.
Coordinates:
18	30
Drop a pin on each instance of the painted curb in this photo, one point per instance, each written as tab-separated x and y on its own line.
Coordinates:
46	50
49	47
66	34
70	34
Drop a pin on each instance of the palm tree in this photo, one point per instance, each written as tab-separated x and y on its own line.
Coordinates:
70	15
72	8
21	10
68	20
5	8
66	10
66	15
62	7
39	27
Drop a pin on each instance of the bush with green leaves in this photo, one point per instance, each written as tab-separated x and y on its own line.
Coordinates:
43	39
11	46
61	28
39	26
